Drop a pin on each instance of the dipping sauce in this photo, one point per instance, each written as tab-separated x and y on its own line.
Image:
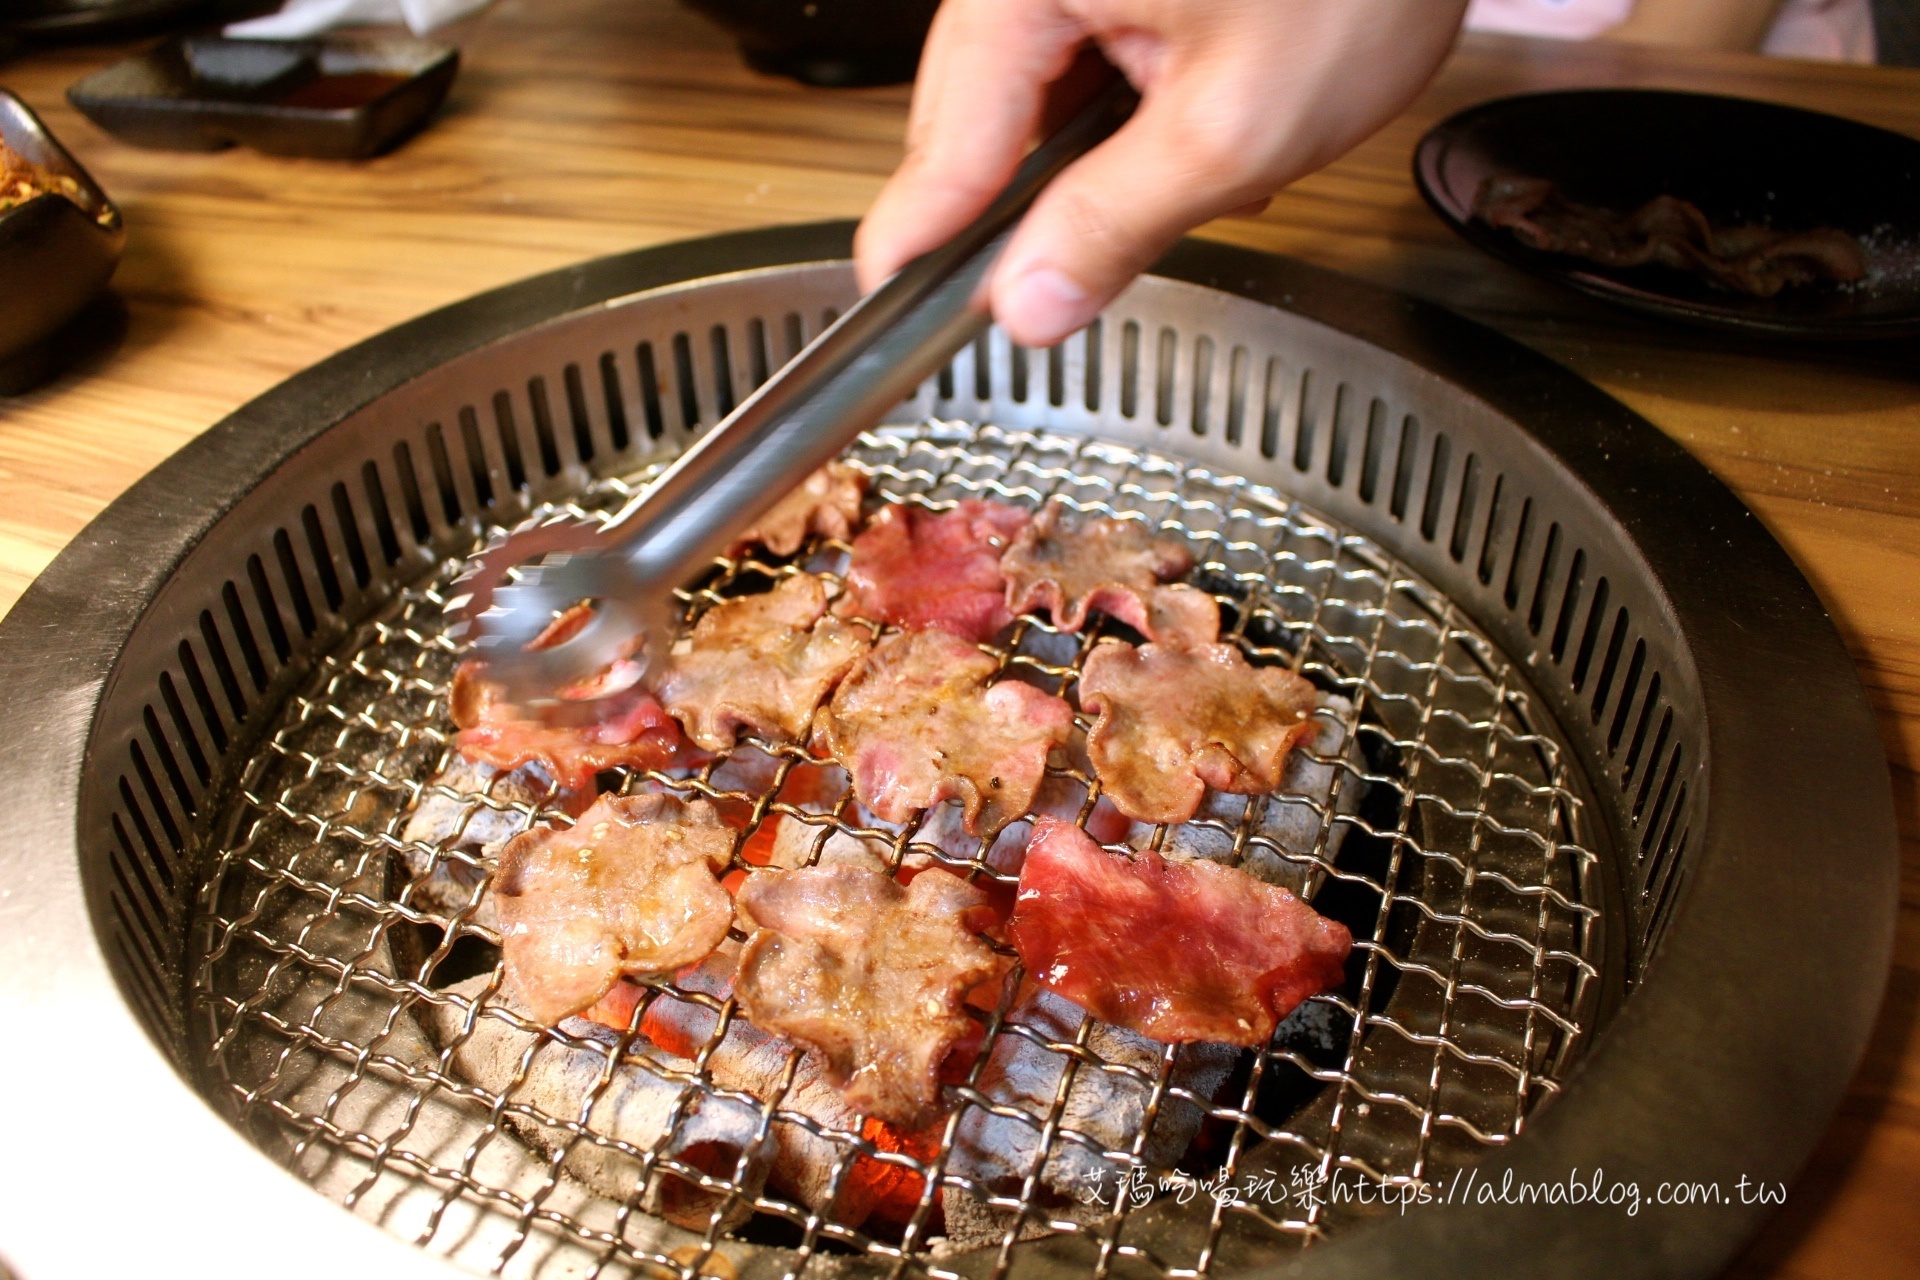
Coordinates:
342	92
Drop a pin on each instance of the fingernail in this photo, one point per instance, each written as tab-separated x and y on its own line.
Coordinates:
1044	305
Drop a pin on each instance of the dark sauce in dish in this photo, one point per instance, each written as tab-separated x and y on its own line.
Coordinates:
341	92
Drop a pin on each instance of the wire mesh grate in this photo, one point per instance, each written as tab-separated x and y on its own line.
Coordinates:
346	991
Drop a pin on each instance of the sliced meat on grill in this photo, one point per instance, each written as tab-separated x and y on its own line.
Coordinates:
916	568
1114	566
868	974
451	841
1277	837
807	1156
799	843
628	729
640	1104
761	663
826	503
627	891
1176	950
1106	1109
917	723
1172	720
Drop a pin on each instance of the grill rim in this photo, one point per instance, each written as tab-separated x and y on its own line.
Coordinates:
1668	1090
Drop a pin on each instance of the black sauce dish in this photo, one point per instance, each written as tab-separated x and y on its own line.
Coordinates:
337	98
57	252
832	43
1737	160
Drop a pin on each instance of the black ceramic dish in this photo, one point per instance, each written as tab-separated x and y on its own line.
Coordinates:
835	43
337	99
55	254
1740	161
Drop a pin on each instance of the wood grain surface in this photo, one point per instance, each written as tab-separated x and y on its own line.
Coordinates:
584	127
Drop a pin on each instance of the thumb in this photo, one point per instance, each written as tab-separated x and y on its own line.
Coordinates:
1186	157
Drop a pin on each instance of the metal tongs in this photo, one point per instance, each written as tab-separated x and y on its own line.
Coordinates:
841	384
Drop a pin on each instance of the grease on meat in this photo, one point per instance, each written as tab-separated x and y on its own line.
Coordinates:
917	569
1172	721
1115	566
627	891
1179	951
826	503
917	723
760	663
867	973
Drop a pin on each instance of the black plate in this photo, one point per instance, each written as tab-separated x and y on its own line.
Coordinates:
337	98
55	256
1740	161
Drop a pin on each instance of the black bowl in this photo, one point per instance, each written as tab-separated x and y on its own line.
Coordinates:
1740	161
55	255
833	43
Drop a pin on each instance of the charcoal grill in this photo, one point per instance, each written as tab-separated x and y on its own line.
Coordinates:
1606	804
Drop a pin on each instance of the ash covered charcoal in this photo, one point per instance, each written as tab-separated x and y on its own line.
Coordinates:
641	1104
1106	1108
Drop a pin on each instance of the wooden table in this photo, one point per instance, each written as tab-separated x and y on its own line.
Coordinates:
584	127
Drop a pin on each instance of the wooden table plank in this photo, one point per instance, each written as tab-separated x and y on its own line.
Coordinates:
584	127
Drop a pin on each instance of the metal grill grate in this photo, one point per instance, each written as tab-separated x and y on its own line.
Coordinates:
332	1000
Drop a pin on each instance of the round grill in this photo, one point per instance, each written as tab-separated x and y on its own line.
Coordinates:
1593	783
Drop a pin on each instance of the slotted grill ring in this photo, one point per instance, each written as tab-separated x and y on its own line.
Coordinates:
1641	619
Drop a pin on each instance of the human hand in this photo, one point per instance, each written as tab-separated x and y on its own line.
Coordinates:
1238	99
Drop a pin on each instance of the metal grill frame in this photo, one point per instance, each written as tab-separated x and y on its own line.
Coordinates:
1755	986
1344	612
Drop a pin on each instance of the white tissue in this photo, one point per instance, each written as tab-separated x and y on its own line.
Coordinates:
300	18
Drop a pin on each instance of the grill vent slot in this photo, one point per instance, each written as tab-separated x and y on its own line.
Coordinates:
722	373
542	428
243	635
1202	384
577	413
683	377
1304	424
1237	373
382	515
650	390
1164	372
616	401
